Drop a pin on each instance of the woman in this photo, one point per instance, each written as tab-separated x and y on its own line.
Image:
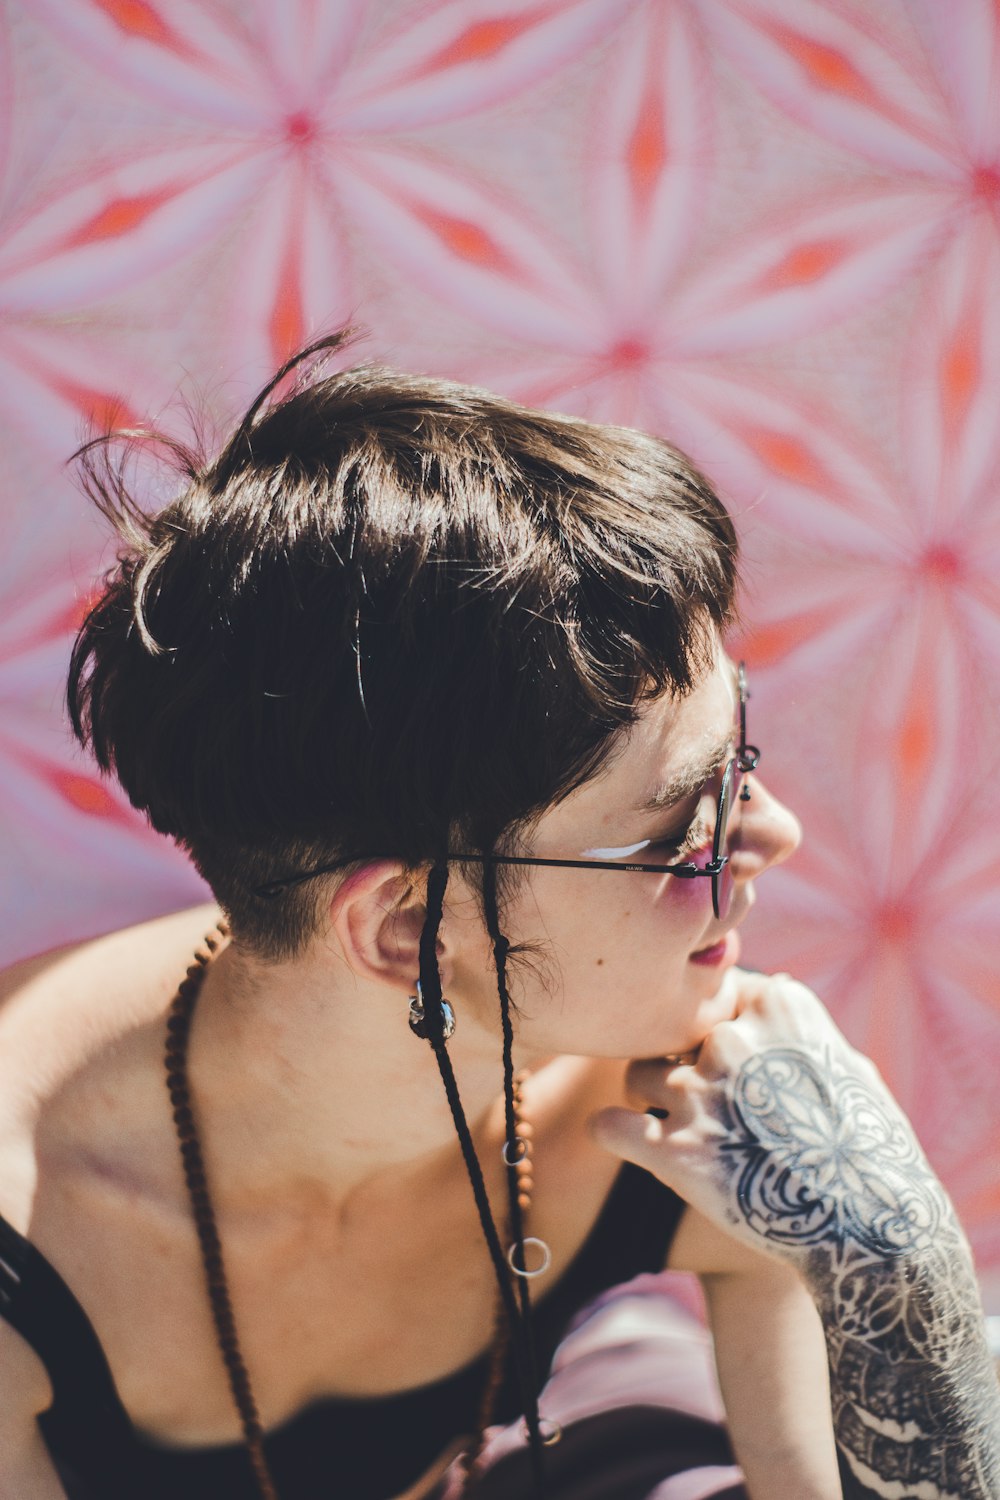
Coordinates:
432	689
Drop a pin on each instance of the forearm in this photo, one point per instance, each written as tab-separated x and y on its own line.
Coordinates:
791	1141
771	1362
915	1399
844	1187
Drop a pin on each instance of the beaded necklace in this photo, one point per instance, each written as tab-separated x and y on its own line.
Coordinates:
179	1018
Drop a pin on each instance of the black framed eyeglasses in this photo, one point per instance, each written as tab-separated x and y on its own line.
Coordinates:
733	787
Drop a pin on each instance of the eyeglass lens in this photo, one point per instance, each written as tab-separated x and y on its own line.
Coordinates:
722	880
745	760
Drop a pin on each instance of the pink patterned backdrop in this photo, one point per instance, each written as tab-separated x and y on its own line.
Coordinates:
766	228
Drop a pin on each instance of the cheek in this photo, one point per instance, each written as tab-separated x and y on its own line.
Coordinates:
687	901
625	924
683	911
649	939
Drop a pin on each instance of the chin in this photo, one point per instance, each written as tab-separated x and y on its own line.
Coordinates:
718	1006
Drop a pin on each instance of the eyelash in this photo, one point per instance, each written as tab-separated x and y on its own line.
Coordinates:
689	840
694	836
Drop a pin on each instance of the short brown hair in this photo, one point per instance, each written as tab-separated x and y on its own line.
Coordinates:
394	611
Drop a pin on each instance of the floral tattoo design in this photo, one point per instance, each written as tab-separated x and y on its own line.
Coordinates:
828	1159
822	1163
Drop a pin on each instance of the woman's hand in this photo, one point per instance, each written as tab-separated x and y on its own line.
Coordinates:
781	1133
784	1135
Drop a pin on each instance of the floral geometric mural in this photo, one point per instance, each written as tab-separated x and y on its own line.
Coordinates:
767	229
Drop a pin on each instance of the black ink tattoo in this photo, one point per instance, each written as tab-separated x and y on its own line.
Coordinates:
826	1159
822	1162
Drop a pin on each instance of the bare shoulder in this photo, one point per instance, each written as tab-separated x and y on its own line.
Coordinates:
105	958
68	1010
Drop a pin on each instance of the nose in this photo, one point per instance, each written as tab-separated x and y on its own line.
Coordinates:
764	833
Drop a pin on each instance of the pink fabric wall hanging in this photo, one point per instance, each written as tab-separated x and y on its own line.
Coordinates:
765	228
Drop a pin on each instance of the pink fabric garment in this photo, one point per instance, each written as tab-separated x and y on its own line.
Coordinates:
633	1387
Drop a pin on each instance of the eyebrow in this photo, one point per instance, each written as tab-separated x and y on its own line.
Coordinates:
689	778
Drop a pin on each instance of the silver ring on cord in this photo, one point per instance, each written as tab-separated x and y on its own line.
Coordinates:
530	1239
520	1151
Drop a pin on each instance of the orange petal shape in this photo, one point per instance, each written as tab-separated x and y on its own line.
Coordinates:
137	18
118	217
959	377
788	457
804	263
466	239
83	790
86	793
827	67
646	155
483	39
67	621
103	410
914	740
74	615
287	322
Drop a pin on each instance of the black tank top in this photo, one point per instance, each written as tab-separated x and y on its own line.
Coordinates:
364	1449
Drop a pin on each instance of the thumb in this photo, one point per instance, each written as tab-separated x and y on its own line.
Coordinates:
630	1134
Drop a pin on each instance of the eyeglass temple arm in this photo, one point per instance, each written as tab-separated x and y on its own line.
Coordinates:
685	871
682	872
747	758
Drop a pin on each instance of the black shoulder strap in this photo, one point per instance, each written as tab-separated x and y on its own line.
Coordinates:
632	1234
651	1212
36	1301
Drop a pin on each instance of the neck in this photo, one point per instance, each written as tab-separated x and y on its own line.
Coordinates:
319	1074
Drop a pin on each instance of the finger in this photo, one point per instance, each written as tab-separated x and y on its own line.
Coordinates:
756	990
791	1011
650	1080
626	1133
727	1047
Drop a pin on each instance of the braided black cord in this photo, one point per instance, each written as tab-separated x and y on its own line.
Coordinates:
430	990
501	948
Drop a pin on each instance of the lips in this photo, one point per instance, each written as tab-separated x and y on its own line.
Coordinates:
727	948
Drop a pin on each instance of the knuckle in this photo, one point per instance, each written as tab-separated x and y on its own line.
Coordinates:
719	1044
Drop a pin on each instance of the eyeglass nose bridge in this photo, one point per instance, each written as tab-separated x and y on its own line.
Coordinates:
692	871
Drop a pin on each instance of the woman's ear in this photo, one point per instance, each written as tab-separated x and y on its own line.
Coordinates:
378	914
